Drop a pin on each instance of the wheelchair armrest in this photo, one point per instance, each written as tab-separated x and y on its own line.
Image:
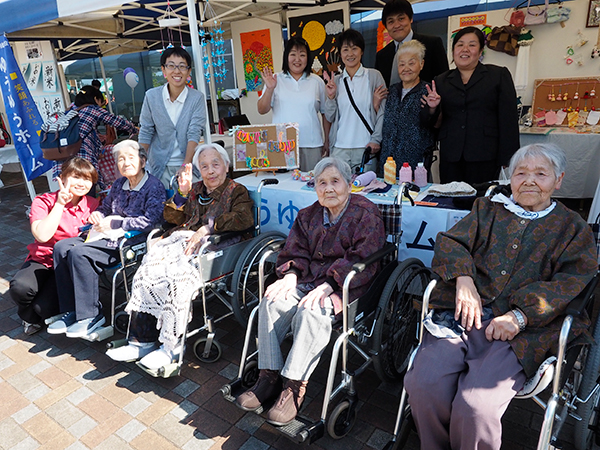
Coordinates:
580	303
132	233
386	250
218	238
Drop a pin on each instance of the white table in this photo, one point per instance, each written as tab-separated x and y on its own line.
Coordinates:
583	158
420	224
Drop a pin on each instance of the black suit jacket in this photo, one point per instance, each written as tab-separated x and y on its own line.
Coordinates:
436	61
480	119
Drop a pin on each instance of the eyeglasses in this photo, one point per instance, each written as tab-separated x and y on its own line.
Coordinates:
173	66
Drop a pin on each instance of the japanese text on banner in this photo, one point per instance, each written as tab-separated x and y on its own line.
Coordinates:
23	116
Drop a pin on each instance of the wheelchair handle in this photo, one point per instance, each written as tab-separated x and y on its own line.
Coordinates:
361	266
270	181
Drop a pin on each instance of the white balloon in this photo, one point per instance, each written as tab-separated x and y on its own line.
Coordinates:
132	79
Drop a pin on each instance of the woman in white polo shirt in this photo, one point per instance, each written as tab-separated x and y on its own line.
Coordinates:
355	103
297	95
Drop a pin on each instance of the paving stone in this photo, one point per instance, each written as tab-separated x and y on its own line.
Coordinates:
130	431
184	409
24	381
186	388
114	443
254	444
77	446
64	413
151	439
11	434
37	392
250	423
173	430
379	439
26	413
230	372
39	367
27	444
137	406
198	442
42	428
82	426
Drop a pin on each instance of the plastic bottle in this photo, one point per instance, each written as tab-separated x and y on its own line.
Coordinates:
364	179
421	175
389	171
405	173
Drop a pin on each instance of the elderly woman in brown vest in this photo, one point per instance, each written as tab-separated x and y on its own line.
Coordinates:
169	275
509	270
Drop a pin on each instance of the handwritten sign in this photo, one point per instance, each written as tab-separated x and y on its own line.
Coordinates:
273	146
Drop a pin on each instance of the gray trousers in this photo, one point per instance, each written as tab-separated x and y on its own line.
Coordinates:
311	330
353	156
459	388
309	157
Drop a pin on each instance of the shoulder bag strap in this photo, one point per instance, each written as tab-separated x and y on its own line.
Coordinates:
364	121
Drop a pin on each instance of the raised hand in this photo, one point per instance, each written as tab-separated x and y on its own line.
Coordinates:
269	78
380	93
432	99
64	193
184	179
330	86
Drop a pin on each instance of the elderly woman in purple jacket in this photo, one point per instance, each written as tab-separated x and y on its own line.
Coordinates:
325	241
134	203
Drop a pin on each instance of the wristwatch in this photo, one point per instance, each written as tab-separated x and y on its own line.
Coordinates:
520	319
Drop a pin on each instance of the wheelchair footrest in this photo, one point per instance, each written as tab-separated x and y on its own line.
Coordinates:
168	371
303	430
100	334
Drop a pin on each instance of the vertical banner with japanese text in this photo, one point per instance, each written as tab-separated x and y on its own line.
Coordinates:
23	116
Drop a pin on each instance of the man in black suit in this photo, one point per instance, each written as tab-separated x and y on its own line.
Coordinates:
397	18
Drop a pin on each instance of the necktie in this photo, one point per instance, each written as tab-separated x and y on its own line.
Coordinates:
394	77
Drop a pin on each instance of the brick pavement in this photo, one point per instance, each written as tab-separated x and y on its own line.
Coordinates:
60	393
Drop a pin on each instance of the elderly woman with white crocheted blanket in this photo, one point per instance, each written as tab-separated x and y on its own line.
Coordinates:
169	275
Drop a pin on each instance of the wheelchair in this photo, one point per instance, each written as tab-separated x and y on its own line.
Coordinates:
229	275
571	377
373	326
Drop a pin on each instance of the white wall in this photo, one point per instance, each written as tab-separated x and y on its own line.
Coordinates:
547	59
248	104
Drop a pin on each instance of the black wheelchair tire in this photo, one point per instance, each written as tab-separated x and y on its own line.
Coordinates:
244	283
214	353
583	435
250	374
122	322
341	420
396	325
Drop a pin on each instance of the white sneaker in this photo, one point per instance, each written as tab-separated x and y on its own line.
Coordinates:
160	358
131	352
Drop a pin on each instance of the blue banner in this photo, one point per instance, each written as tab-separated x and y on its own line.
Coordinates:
24	118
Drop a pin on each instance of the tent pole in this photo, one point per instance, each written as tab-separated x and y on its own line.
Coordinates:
211	82
197	51
105	84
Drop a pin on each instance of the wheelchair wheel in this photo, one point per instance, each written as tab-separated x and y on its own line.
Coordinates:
244	282
587	427
214	353
394	336
122	322
250	374
342	419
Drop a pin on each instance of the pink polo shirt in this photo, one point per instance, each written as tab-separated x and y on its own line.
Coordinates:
72	218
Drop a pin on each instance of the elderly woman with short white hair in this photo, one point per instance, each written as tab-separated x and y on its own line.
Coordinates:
170	274
508	272
326	240
408	132
134	203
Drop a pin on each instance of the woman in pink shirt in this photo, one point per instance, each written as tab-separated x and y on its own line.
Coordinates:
54	216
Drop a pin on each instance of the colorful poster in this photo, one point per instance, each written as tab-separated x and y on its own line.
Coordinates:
34	76
320	31
257	54
23	116
383	37
272	147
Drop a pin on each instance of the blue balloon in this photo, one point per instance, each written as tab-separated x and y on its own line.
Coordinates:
126	71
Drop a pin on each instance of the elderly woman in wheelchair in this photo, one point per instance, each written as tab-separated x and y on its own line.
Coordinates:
326	239
169	275
134	203
508	272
